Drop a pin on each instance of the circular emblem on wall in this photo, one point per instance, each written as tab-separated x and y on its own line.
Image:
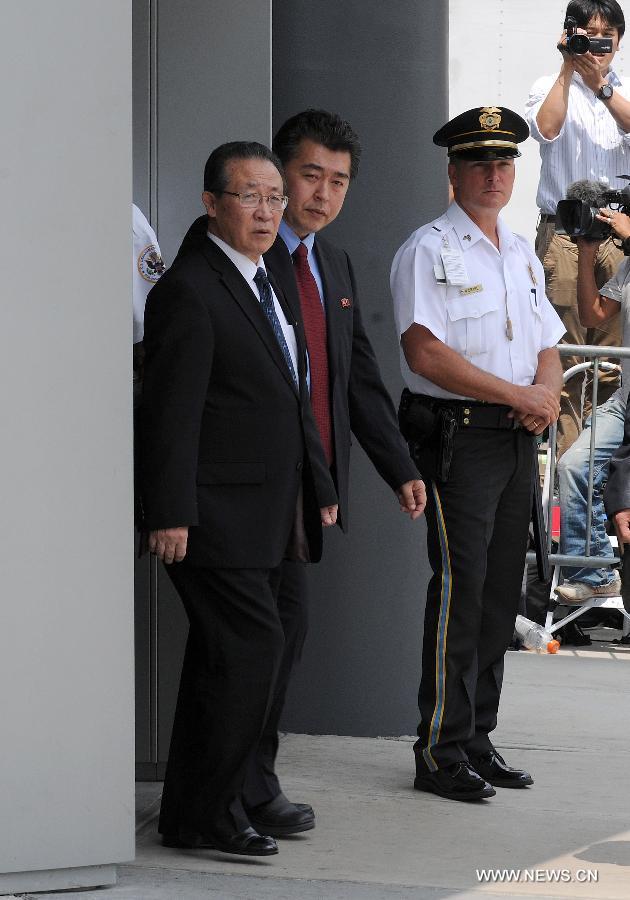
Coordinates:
150	263
490	118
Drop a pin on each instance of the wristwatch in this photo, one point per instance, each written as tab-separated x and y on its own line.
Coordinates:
605	92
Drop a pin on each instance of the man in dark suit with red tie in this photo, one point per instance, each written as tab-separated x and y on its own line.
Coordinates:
320	153
233	481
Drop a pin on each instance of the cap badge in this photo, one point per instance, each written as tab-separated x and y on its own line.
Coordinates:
490	118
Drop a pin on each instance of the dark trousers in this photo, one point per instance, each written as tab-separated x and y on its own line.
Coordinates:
233	683
477	527
261	783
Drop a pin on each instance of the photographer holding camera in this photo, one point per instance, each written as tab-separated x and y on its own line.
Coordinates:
581	119
596	307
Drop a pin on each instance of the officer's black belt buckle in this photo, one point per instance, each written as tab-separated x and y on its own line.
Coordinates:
487	415
466	413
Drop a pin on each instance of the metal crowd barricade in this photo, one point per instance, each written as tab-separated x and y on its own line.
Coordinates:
595	362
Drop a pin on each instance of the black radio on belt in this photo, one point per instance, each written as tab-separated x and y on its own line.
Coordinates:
417	420
428	425
432	422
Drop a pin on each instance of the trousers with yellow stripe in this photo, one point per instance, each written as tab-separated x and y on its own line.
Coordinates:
477	528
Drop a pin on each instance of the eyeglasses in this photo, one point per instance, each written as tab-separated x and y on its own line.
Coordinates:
253	199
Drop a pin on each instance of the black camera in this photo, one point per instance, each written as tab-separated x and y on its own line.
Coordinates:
577	215
578	44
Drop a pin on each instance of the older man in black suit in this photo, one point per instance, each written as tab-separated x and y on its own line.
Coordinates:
320	153
234	481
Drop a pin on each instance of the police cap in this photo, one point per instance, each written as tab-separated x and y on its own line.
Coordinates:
486	132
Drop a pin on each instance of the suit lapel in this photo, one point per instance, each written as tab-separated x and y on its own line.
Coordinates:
248	302
282	277
280	269
293	320
336	317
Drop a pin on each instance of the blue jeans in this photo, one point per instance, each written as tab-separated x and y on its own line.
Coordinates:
573	480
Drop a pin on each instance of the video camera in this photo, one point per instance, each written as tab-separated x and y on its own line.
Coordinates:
577	214
578	44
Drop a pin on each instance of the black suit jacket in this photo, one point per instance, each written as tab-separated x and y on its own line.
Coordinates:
617	490
360	401
226	437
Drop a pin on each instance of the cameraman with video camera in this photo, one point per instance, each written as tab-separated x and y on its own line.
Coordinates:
596	307
581	119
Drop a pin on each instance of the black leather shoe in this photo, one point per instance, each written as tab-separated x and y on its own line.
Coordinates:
280	817
244	843
493	768
458	781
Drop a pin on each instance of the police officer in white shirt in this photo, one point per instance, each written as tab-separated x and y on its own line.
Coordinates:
147	265
581	119
483	377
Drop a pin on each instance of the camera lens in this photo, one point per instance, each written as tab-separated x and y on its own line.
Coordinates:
570	212
578	44
577	217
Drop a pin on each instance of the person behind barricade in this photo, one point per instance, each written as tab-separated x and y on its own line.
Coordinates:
483	376
617	495
581	119
595	307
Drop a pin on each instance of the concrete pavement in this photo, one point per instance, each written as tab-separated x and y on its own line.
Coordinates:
565	718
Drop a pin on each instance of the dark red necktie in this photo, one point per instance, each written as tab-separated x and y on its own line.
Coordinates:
315	330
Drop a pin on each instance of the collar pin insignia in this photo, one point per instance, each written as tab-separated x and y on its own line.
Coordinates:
467	237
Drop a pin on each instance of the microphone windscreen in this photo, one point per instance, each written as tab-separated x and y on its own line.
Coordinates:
588	191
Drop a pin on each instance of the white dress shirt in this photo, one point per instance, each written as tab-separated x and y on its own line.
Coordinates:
590	144
470	317
292	241
248	270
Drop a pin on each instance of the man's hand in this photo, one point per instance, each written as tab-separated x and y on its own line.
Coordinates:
622	526
412	497
328	515
618	221
589	67
538	406
169	544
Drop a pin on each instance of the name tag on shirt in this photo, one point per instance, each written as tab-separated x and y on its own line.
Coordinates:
454	267
473	289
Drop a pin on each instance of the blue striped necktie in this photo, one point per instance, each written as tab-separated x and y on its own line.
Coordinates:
266	301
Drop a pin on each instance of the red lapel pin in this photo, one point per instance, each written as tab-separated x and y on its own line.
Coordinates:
345	303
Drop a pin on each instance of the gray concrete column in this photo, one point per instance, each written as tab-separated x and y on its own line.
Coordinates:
384	68
66	640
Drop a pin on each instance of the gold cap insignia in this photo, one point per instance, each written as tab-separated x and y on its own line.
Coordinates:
490	118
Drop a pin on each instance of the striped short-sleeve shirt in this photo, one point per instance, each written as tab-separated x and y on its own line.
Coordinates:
590	144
